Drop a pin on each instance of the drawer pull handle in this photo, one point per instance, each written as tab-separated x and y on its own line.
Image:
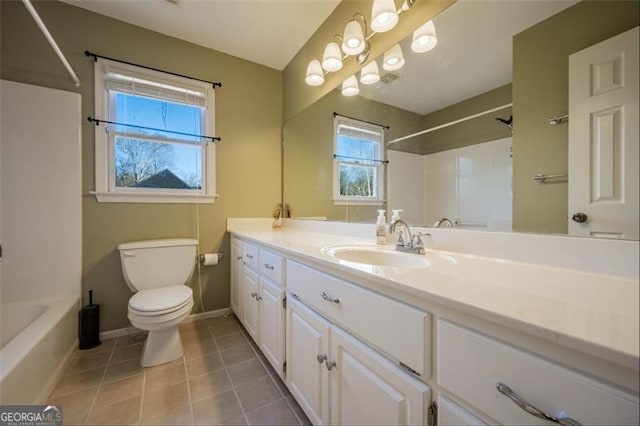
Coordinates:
254	295
258	298
249	256
328	298
330	365
506	391
239	258
321	358
268	266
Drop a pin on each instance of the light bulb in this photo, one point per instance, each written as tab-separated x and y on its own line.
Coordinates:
350	86
383	15
369	73
353	38
393	59
424	38
332	58
314	74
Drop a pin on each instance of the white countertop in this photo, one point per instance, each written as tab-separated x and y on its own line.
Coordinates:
592	313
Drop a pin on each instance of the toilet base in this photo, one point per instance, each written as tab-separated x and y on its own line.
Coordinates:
161	346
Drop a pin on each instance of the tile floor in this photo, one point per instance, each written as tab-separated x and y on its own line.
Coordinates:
223	378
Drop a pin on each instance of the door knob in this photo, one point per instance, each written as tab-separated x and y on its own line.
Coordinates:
579	217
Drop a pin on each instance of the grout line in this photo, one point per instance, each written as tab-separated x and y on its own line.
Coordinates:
144	390
233	386
186	372
95	398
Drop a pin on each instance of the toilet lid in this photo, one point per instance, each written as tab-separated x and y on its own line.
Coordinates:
160	299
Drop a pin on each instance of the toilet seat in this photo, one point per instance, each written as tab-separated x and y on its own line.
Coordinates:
160	301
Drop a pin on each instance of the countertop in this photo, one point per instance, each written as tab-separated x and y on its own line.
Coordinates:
592	313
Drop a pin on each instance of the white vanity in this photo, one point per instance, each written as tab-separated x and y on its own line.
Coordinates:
458	339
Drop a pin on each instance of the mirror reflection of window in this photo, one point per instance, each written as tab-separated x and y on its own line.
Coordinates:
358	171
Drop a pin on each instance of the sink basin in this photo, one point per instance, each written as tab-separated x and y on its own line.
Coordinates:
378	256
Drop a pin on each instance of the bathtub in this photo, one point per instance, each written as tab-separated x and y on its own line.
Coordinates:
37	339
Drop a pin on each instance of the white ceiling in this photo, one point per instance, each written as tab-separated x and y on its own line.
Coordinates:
269	32
473	55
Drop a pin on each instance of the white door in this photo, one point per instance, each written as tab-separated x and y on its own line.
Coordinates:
236	277
603	139
251	302
272	323
307	338
368	389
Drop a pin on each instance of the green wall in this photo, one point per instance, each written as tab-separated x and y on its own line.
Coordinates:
541	91
248	160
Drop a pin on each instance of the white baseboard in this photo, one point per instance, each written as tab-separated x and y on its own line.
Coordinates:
193	317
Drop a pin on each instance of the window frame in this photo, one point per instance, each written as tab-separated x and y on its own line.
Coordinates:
378	165
105	160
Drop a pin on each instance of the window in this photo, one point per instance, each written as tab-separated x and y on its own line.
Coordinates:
358	166
153	154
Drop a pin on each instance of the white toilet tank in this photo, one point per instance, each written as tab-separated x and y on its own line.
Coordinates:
157	263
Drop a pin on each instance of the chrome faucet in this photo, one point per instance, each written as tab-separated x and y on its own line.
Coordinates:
411	244
442	221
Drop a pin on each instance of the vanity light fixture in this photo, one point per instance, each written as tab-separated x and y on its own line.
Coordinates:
332	58
383	15
355	42
370	73
314	77
424	38
393	59
353	39
350	86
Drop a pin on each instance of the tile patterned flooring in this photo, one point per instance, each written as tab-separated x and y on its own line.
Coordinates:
223	379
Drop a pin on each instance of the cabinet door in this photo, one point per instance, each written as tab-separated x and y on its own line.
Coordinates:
307	337
251	304
237	296
367	388
449	413
272	323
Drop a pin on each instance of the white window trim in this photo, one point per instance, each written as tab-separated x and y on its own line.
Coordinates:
106	191
343	200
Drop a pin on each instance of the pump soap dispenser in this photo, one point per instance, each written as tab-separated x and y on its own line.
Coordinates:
381	228
391	237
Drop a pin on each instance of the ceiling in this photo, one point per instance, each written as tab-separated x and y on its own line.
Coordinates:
473	55
268	32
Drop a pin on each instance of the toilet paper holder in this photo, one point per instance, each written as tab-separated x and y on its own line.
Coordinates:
201	257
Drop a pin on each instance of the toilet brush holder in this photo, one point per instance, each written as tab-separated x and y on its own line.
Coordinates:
89	324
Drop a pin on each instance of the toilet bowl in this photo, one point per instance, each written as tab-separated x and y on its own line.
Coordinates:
157	271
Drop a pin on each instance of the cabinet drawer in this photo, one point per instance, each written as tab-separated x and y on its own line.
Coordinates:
397	329
250	255
272	266
471	365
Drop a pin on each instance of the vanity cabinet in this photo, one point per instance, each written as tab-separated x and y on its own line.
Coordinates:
491	376
339	380
260	285
237	295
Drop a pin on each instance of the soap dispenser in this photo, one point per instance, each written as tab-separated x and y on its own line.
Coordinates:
381	228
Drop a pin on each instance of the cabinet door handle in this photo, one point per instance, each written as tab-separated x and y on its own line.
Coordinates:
328	298
506	391
330	365
239	258
249	256
321	358
254	295
258	298
268	266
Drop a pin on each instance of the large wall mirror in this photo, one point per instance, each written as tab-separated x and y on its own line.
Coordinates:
482	129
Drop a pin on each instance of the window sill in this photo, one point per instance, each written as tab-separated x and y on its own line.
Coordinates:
125	197
343	202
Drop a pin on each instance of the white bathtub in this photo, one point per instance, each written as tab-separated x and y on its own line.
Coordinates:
37	337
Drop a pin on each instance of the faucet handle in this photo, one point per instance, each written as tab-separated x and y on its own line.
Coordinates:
400	241
417	240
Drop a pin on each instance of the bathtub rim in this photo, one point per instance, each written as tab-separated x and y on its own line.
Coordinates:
16	349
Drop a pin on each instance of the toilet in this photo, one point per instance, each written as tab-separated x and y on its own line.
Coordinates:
157	271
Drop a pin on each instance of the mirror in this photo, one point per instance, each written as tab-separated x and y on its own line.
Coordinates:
448	154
